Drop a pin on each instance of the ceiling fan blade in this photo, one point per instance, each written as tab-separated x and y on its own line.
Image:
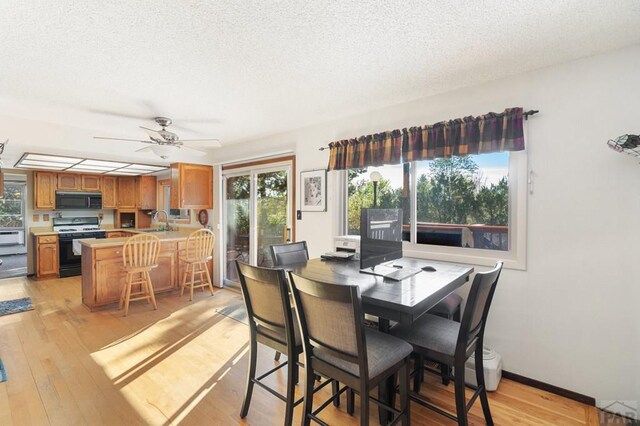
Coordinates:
208	143
145	149
153	133
193	151
121	139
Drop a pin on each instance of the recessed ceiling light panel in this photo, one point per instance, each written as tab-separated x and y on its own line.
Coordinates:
56	162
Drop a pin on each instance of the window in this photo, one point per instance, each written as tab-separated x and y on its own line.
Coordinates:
12	205
164	203
467	209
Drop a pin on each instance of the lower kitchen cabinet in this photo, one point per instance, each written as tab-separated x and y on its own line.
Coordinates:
47	262
103	274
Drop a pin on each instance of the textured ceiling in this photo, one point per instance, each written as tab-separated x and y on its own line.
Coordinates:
237	70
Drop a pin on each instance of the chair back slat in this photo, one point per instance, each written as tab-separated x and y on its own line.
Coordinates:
199	245
266	298
330	317
289	254
141	251
478	302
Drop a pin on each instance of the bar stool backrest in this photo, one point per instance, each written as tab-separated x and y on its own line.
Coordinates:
199	245
141	251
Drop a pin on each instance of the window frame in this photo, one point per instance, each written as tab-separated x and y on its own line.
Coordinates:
514	258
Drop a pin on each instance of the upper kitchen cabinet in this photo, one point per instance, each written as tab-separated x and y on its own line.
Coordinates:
137	192
44	191
68	182
147	192
127	194
90	183
191	186
109	186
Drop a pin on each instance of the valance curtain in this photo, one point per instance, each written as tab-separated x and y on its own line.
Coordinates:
371	150
487	133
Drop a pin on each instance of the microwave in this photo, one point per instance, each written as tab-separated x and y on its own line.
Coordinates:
78	200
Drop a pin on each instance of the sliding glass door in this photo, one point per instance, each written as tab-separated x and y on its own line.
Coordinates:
258	203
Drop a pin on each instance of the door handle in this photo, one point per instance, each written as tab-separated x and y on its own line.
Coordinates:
287	235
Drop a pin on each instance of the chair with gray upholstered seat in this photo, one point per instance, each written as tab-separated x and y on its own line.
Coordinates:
289	254
283	255
448	308
452	343
338	345
271	323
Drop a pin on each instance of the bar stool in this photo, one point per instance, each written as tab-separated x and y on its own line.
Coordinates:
140	255
197	253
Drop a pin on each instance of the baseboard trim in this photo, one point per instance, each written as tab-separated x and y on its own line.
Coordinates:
588	400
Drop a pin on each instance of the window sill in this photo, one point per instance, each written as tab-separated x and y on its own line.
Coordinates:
464	255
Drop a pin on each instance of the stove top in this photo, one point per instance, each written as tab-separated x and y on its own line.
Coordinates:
65	230
71	225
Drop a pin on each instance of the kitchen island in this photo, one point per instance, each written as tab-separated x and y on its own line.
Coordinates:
103	275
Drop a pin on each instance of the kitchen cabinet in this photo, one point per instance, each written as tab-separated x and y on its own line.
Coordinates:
90	183
109	187
103	273
127	192
109	269
68	182
191	186
47	262
137	192
44	191
147	190
164	277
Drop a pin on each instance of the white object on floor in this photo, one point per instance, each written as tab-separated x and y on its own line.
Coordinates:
492	363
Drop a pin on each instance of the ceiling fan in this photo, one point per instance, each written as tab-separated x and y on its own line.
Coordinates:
163	142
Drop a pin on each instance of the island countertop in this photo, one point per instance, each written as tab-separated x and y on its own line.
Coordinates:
165	236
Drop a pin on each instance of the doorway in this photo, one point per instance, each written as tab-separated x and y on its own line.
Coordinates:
13	248
258	205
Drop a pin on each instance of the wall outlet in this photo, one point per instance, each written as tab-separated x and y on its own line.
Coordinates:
100	216
299	214
45	217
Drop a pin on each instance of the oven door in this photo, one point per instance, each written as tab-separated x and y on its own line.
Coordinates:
70	263
69	248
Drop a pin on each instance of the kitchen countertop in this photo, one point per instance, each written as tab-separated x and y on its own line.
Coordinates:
165	236
44	230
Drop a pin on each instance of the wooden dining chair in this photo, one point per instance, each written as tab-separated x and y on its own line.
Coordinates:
289	254
337	345
449	308
140	256
452	343
283	255
271	323
196	255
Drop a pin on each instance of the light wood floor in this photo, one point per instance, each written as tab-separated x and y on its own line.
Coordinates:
182	364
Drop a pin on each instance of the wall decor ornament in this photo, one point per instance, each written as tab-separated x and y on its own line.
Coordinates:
313	191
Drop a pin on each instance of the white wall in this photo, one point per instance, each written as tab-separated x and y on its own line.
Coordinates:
571	319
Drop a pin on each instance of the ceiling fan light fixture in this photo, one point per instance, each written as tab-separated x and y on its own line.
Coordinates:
164	151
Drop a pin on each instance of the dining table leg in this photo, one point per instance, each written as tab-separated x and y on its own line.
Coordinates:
385	389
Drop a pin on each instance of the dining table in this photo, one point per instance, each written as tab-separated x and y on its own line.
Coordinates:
402	301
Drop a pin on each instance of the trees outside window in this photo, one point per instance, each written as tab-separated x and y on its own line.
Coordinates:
12	205
460	201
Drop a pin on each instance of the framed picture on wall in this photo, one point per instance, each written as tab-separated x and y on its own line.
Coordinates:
313	191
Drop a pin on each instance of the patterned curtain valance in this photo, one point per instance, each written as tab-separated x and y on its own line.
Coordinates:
371	150
487	133
466	136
